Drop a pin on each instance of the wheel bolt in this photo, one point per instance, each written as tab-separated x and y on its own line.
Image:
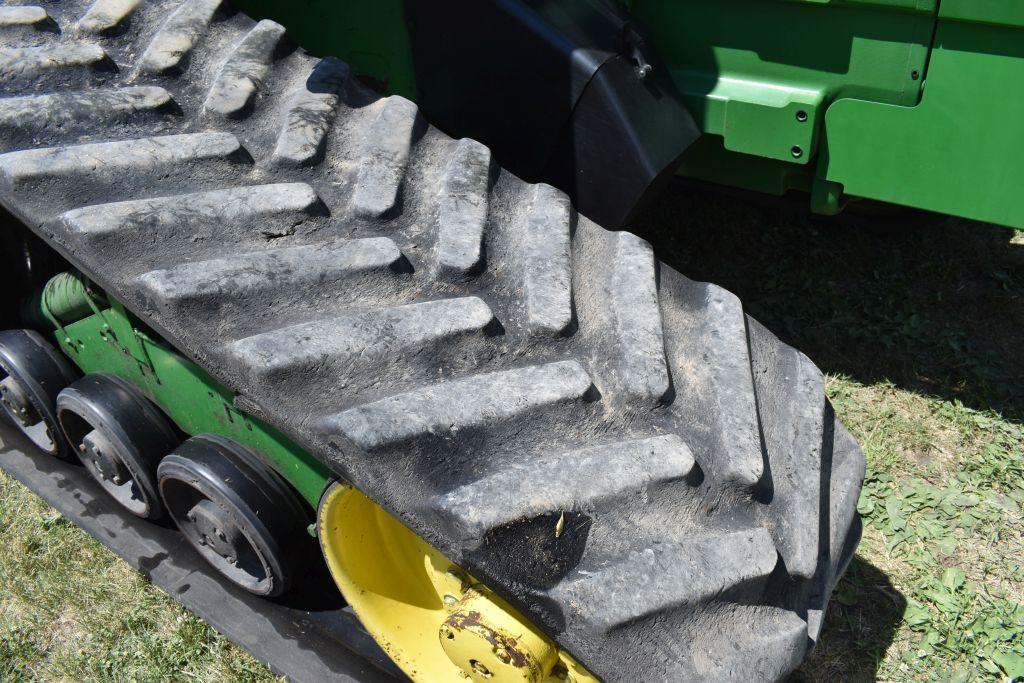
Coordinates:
479	668
503	656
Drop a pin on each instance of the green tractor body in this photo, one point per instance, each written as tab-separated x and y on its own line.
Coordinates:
911	102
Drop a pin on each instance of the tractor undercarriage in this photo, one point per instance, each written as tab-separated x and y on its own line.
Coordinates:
294	300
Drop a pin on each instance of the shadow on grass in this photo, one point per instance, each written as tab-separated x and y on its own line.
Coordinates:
862	619
933	304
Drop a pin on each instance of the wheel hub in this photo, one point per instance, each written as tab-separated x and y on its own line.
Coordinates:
17	403
101	455
216	530
435	620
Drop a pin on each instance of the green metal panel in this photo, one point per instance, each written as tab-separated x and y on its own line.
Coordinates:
112	341
1005	12
760	73
961	150
816	95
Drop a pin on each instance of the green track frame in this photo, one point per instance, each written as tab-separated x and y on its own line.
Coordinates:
914	102
111	340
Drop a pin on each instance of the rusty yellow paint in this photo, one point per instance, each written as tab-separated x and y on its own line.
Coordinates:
436	621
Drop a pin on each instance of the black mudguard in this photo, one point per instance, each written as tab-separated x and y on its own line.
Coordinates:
566	93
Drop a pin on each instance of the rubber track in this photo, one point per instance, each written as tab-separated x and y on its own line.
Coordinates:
645	471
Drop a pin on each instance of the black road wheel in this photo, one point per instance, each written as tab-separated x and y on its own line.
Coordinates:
120	437
32	374
237	512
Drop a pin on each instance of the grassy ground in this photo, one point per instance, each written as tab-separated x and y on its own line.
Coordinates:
916	319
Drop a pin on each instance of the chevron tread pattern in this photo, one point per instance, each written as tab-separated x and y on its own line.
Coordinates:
651	467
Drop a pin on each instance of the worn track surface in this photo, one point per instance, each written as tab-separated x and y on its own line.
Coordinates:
459	344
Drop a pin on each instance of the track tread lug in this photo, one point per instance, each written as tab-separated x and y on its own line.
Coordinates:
43	113
461	404
669	576
176	39
546	263
382	166
32	62
462	207
360	338
242	75
549	483
311	113
106	16
24	16
248	275
140	155
641	370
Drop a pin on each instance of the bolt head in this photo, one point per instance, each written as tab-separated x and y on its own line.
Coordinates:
502	654
479	668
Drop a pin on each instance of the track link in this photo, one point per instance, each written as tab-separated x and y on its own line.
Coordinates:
619	451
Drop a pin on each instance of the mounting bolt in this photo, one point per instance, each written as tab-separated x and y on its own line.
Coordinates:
797	151
502	654
801	116
479	668
450	600
915	74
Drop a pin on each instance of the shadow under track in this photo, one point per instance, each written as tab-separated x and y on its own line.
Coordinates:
862	619
933	304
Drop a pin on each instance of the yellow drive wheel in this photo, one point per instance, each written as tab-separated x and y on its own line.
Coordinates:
434	620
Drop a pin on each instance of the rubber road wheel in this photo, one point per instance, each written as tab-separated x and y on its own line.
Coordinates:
237	512
120	437
32	373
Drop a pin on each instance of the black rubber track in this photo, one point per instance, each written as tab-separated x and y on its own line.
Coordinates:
460	345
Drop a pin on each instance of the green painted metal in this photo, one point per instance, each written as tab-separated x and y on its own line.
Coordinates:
66	297
111	340
748	68
893	100
961	150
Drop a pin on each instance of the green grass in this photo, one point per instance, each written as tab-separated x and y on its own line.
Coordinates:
71	611
917	320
